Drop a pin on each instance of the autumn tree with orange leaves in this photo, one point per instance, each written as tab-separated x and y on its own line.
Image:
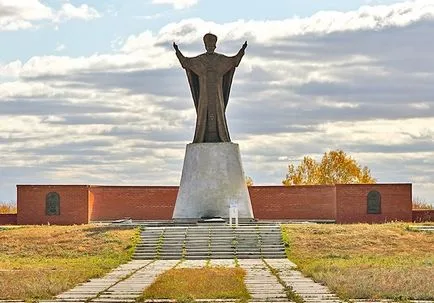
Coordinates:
336	167
249	181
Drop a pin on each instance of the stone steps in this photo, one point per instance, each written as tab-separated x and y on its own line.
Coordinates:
422	227
205	242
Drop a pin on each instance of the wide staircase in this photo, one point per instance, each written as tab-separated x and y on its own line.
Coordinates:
210	242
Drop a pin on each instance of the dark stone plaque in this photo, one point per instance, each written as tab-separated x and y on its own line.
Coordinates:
374	202
52	204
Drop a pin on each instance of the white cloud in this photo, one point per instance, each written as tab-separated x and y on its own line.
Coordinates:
11	69
25	9
18	88
111	10
147	49
60	47
26	14
145	42
83	12
177	4
420	106
325	22
19	14
334	104
150	17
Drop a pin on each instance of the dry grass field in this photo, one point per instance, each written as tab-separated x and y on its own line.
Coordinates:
187	284
355	261
38	262
7	208
365	261
421	204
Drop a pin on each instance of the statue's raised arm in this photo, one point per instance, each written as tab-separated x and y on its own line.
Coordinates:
175	46
243	48
240	54
181	58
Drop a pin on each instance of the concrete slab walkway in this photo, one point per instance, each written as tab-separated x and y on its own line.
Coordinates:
268	280
305	288
261	284
93	288
129	289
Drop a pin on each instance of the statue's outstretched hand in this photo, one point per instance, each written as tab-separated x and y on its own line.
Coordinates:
244	46
175	46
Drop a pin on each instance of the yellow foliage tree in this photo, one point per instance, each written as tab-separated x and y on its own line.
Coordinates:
7	208
336	167
249	181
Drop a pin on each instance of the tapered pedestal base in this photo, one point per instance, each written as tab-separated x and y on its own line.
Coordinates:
212	180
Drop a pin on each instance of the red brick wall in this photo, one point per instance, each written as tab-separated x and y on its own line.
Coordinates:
343	203
423	215
73	204
91	204
157	202
8	219
136	202
293	202
351	203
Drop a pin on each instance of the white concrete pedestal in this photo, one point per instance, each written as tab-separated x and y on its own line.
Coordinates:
212	179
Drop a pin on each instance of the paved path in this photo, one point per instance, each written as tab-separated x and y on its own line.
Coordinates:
94	287
269	280
122	285
306	288
260	283
192	264
131	288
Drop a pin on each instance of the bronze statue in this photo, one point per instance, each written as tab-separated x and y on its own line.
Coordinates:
210	77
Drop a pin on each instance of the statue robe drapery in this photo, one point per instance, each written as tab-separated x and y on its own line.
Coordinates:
210	78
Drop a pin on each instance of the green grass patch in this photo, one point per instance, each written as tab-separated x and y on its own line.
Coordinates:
39	262
188	284
382	261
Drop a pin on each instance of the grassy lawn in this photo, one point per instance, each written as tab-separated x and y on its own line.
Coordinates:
39	262
365	261
187	284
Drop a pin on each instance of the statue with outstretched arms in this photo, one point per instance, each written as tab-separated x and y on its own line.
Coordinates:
210	78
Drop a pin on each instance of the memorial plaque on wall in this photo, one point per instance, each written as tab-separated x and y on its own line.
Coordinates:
52	204
374	202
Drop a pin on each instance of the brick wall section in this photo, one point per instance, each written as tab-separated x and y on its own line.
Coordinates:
351	203
423	215
343	203
294	202
91	204
136	202
158	202
73	204
8	219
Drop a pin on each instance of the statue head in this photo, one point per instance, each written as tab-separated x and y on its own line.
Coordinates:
210	41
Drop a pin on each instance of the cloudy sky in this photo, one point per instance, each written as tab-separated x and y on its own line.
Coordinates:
92	93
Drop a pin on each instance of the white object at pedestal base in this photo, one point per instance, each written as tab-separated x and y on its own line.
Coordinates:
233	214
212	179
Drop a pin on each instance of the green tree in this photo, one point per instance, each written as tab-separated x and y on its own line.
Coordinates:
336	167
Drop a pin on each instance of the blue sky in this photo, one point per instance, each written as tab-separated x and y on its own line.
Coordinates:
91	91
